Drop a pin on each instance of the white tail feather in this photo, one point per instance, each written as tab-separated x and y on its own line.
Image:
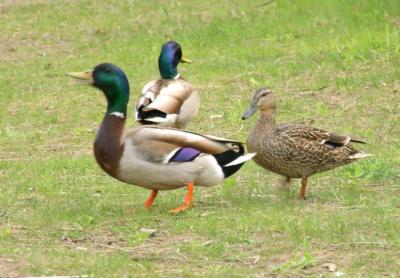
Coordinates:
359	155
241	159
156	120
169	119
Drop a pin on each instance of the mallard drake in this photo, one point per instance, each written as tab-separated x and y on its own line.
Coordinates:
171	100
292	150
154	157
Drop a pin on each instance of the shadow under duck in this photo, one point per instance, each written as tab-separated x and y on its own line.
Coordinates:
171	100
153	157
293	150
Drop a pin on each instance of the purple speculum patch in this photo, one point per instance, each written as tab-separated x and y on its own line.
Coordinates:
185	154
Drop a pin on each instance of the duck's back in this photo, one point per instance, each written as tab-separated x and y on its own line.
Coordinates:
297	151
168	102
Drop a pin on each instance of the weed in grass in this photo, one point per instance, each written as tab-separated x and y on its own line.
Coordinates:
304	262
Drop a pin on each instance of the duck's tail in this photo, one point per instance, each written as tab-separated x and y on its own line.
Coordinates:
356	140
359	155
233	159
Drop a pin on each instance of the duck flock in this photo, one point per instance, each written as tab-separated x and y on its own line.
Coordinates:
161	154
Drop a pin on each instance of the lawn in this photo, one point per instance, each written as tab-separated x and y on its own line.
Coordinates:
333	64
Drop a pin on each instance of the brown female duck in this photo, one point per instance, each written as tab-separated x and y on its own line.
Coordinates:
291	150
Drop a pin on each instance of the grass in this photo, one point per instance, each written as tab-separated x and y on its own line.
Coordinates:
333	63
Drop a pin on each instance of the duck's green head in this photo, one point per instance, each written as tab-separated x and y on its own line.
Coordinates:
112	81
170	57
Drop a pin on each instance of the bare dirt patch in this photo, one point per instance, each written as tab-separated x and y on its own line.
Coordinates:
23	43
156	243
24	46
8	268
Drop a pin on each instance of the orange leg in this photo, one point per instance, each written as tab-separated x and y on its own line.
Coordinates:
303	188
150	200
188	200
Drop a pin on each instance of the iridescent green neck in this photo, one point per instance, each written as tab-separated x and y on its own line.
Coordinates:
117	108
117	100
167	69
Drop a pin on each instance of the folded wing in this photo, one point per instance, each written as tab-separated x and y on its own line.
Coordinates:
311	134
162	100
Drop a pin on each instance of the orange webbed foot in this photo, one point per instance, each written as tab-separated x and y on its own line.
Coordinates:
188	201
181	208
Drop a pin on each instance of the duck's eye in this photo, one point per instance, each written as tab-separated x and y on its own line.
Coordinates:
178	54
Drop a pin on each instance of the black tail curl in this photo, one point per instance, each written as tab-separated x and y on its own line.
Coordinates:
227	157
357	141
144	115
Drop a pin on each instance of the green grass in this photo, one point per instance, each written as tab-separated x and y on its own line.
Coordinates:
336	63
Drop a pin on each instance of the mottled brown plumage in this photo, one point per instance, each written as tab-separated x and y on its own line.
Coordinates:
291	150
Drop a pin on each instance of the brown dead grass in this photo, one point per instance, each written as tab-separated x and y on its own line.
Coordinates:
8	268
26	45
165	249
263	255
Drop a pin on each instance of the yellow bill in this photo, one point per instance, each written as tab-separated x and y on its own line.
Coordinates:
185	60
84	75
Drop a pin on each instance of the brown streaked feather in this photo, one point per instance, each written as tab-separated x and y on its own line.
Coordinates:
316	134
303	131
293	150
297	151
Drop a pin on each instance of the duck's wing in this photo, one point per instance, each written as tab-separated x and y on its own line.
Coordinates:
162	100
316	135
149	94
176	138
170	146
